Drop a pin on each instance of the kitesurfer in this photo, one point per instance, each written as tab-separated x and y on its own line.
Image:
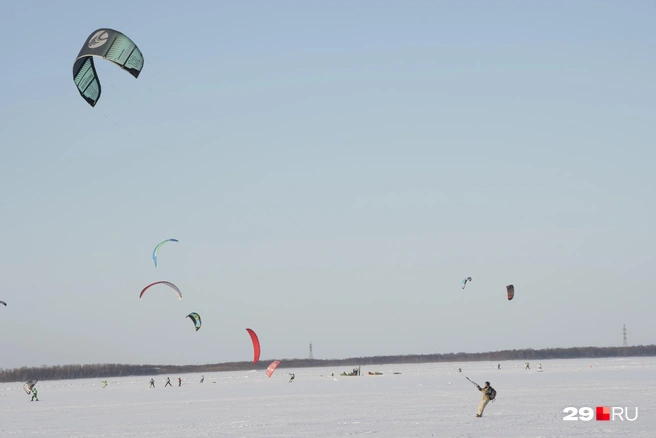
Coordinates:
104	383
498	366
179	382
291	379
202	379
168	382
527	366
34	394
152	383
487	396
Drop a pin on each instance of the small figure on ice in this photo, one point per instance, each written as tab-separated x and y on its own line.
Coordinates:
104	383
202	379
152	383
34	394
527	366
291	379
498	366
179	382
168	382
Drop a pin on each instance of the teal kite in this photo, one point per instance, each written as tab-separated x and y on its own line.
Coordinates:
156	250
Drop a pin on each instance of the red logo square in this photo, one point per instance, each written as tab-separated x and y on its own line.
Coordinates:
603	413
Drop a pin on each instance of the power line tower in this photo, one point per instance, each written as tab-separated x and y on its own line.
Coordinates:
624	343
311	355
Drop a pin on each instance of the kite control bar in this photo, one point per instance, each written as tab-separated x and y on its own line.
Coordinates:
477	385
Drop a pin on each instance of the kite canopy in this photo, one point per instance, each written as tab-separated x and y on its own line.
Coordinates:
107	44
29	385
168	283
195	318
464	282
156	250
272	367
3	303
256	345
511	291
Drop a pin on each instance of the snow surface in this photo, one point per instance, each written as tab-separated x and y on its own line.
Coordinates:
426	400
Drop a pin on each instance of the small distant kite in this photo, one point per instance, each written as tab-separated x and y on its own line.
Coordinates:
195	318
256	345
3	303
464	282
156	250
112	46
511	292
272	367
29	385
168	283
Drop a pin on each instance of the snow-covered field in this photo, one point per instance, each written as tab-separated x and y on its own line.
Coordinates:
424	400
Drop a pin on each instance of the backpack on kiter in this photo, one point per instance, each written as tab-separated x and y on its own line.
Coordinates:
491	393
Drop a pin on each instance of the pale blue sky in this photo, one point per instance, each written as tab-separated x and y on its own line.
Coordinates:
332	170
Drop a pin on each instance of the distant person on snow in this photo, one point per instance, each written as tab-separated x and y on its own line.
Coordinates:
460	370
291	379
152	383
202	379
540	367
487	396
498	366
34	394
179	382
104	383
527	366
168	382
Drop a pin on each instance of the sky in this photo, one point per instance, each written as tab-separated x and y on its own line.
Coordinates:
332	171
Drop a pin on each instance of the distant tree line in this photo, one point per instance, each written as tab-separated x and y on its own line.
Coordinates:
59	372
